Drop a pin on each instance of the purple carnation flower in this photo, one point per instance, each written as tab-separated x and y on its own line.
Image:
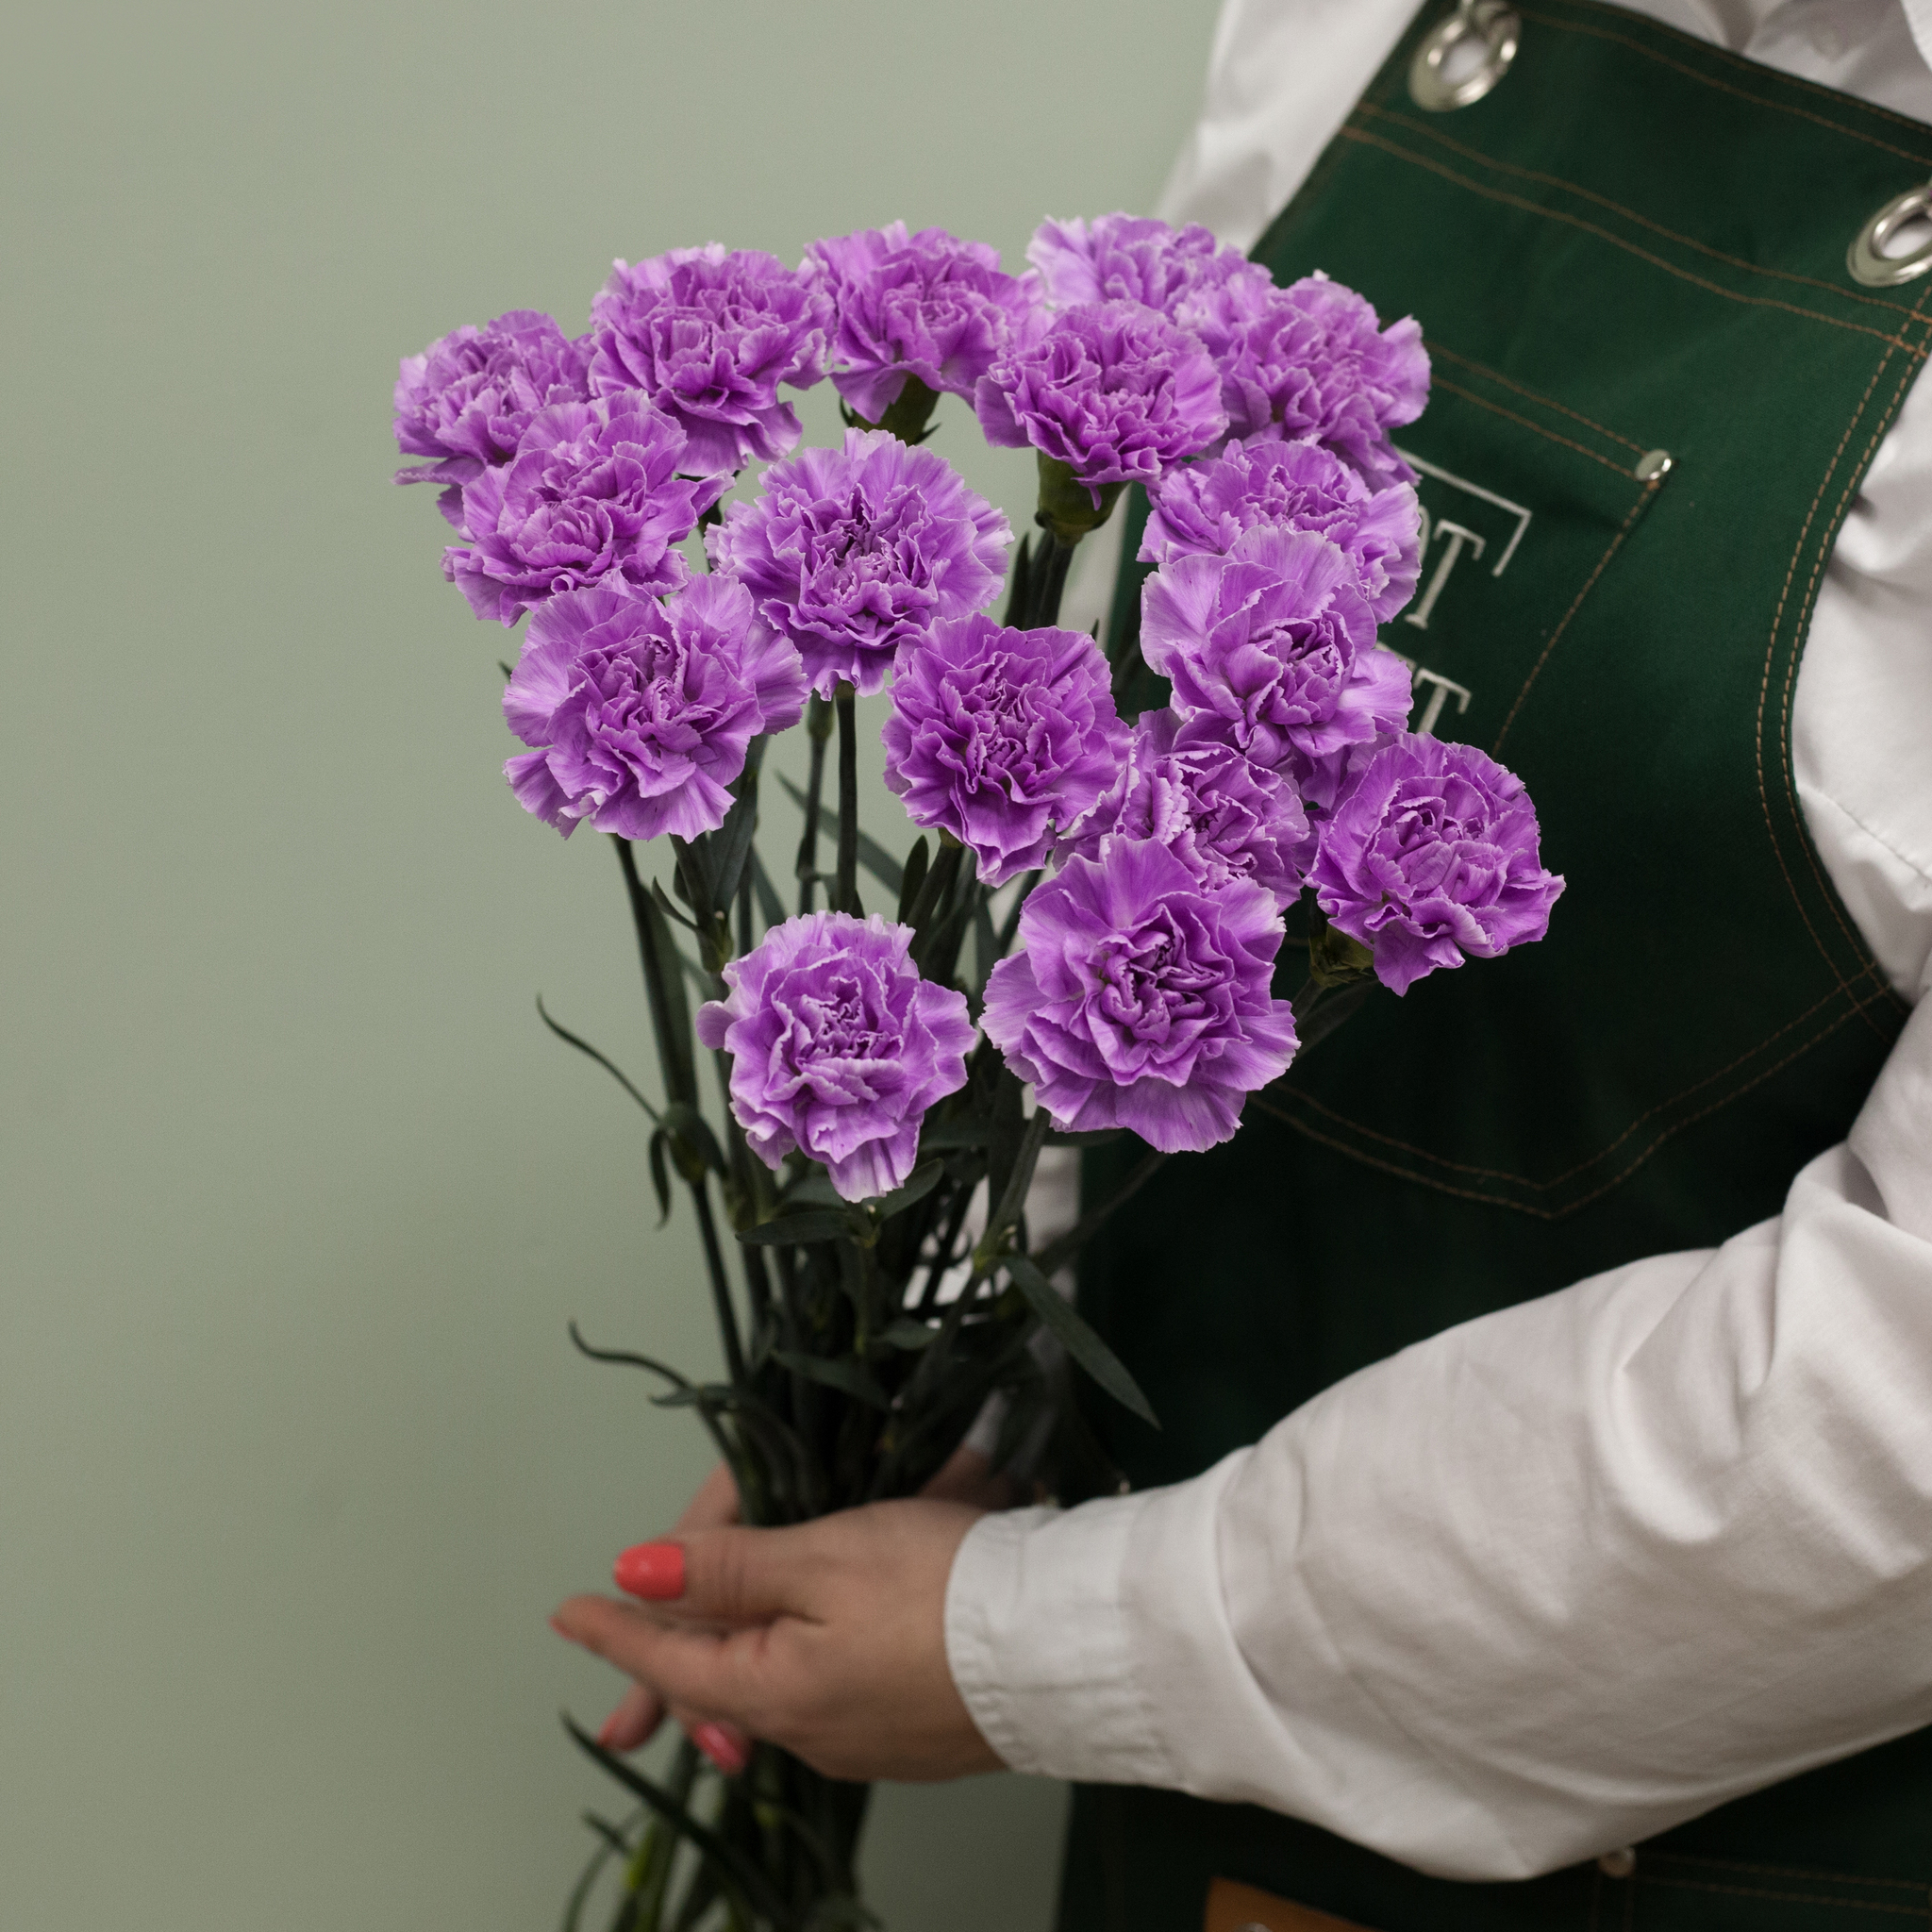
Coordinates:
1002	738
1432	854
468	398
928	305
1204	508
1122	257
1112	390
708	335
1276	643
1139	997
852	553
642	710
593	497
1310	363
838	1047
1197	795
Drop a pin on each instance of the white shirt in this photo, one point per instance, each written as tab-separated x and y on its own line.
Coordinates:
1564	1577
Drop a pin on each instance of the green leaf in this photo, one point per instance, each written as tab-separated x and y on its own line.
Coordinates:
1058	1317
753	1890
771	908
584	1046
732	840
904	1332
630	1359
914	877
985	947
797	1230
661	1174
919	1184
609	1846
690	1127
936	885
1019	585
945	1136
1097	1137
835	1372
813	1188
1335	960
664	905
1015	1143
673	1031
872	855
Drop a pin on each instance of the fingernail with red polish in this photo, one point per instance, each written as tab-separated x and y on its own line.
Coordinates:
607	1736
651	1570
728	1751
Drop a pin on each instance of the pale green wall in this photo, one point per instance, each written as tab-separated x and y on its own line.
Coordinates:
297	1197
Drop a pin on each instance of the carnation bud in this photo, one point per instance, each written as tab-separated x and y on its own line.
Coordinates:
1067	508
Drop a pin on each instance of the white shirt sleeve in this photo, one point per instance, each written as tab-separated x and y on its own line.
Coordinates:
1561	1578
1537	1588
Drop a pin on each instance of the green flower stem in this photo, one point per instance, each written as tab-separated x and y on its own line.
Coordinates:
818	729
845	887
650	1873
680	1076
721	1286
1012	1201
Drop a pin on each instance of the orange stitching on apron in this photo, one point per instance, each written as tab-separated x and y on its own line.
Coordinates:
1796	1898
1616	1180
1497	1174
1436	349
1756	67
1588	585
1537	208
1415	127
1853	938
1918	1885
1918	159
1770	656
1536	428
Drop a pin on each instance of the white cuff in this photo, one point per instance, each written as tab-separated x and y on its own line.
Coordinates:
1037	1643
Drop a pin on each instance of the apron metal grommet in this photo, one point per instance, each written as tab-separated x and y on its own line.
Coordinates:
1494	24
1867	259
1618	1864
1653	466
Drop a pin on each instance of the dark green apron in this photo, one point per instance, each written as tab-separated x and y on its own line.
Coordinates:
1635	244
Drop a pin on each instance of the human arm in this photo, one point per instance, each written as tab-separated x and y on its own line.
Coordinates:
1542	1585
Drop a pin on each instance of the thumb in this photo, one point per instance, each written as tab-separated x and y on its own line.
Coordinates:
724	1575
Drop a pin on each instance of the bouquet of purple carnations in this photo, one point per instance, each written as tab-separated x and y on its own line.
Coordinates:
1086	941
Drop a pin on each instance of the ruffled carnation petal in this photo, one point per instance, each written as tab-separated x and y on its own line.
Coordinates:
1132	258
1432	853
1002	738
926	305
468	398
1141	997
1205	508
709	334
838	1047
1192	790
1113	389
1273	647
644	710
593	497
854	552
1311	363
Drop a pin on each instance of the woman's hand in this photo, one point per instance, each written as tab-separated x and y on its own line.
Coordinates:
634	1720
827	1638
